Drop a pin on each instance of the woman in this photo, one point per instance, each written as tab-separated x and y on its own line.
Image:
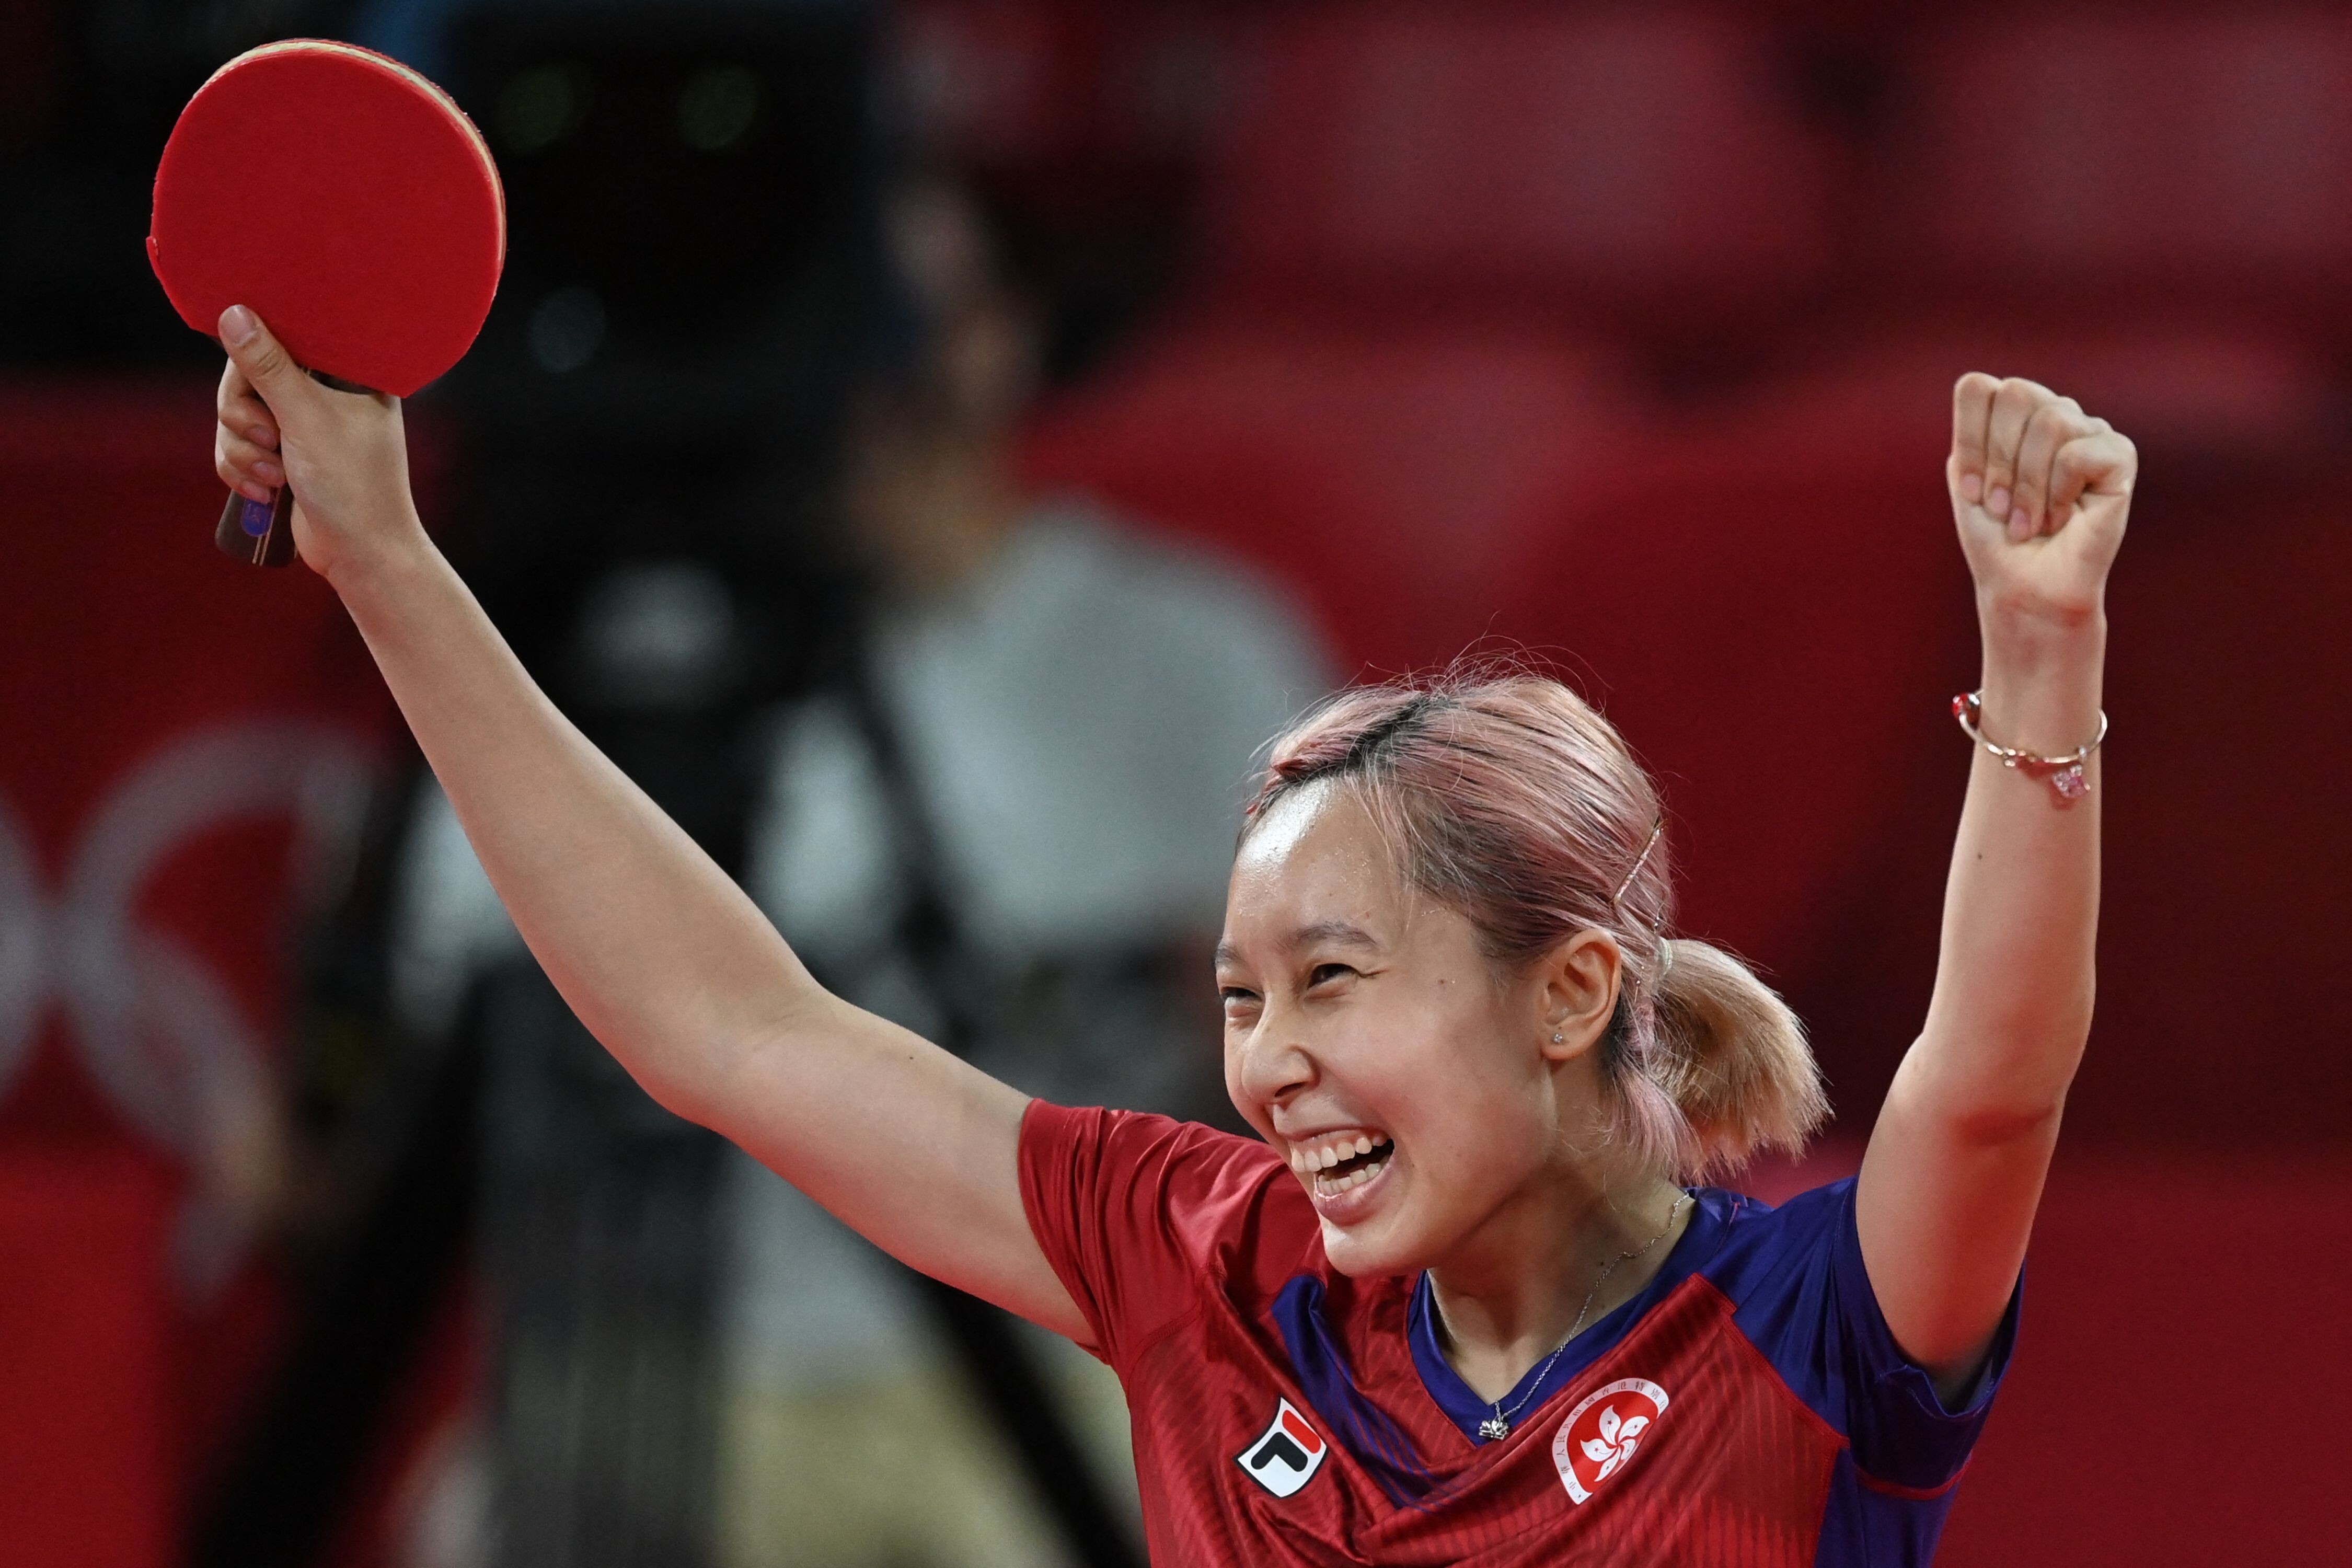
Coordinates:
1455	1307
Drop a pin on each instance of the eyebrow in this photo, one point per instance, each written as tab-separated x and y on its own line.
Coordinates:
1344	933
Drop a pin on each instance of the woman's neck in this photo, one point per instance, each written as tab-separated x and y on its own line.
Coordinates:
1549	1269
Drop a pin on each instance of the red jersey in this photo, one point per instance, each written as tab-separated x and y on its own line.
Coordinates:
1748	1408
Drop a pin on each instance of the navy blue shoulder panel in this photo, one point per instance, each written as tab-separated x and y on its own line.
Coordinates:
1800	1292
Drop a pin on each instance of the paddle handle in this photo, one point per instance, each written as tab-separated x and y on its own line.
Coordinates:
256	531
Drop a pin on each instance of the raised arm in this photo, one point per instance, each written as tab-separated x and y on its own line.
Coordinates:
663	957
1954	1172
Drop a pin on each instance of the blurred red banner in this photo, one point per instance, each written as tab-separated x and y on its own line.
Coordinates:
186	748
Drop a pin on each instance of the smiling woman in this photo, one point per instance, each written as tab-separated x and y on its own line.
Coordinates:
1453	1305
1468	883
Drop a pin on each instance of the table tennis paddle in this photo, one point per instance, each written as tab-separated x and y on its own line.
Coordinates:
352	206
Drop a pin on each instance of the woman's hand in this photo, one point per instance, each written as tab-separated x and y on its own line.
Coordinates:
343	452
1956	1160
2040	490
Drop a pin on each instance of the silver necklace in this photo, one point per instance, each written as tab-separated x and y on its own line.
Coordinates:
1498	1426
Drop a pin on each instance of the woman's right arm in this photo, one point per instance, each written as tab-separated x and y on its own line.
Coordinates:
665	960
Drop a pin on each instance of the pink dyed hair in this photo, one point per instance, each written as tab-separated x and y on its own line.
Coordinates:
1513	802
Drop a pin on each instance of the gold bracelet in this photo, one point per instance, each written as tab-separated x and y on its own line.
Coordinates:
2064	773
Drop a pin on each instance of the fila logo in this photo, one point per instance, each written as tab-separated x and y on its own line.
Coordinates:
1601	1434
1286	1454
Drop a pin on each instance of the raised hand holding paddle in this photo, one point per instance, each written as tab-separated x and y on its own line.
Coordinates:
349	204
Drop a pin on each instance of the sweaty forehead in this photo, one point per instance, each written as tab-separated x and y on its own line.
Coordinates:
1279	829
1315	855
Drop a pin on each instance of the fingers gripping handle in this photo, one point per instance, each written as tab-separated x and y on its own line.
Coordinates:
262	532
259	532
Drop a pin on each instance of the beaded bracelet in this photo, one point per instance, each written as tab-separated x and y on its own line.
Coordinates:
2064	773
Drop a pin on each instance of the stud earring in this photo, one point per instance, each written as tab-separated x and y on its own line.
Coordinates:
1555	1039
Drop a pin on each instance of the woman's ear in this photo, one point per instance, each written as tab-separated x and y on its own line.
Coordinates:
1578	994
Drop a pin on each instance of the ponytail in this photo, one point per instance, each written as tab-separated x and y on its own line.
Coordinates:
1732	1058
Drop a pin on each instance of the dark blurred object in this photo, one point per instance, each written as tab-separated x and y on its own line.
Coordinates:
88	93
371	1298
32	67
599	1236
686	195
600	1221
660	386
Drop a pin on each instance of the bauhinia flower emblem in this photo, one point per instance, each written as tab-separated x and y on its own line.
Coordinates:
1617	1441
1604	1431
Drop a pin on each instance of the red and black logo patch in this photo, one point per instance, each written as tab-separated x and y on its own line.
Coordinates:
1286	1454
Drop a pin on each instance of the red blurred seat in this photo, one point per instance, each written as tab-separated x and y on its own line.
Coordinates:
1624	159
2106	151
87	1472
1381	479
2148	1419
1774	614
2144	1423
2152	213
2184	392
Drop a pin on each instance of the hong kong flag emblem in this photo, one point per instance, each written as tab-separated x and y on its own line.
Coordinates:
1604	1431
1286	1454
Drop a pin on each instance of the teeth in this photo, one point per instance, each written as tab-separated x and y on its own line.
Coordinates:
1332	1186
1309	1162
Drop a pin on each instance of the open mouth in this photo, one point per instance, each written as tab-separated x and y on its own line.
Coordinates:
1336	1166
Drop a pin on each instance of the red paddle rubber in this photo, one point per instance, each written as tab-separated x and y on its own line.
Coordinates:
349	202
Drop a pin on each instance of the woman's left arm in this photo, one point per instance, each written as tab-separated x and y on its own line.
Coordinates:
1954	1172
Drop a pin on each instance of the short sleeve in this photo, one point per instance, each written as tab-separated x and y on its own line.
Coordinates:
1139	1215
1805	1298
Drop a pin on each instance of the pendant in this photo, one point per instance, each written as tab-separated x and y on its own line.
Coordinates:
1494	1429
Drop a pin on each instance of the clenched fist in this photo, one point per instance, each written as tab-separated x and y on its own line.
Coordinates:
2039	491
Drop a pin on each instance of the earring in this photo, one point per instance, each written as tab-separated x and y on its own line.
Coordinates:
1555	1039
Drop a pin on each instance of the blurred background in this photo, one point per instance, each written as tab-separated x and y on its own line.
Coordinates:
931	446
